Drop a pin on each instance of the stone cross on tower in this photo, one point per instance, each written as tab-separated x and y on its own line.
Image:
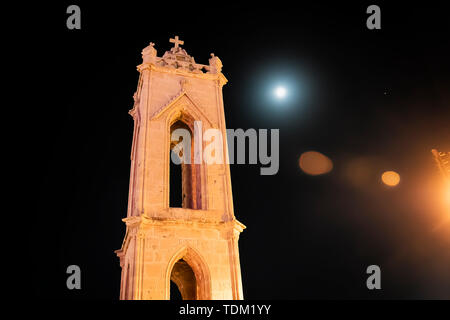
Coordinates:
176	41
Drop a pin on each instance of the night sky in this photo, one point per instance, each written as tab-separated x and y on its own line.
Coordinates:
377	99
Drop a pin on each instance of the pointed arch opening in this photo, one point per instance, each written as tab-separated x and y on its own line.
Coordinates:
185	176
184	278
189	273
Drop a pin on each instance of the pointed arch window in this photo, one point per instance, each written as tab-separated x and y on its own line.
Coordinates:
184	178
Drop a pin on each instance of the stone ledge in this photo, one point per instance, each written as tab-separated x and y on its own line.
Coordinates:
188	219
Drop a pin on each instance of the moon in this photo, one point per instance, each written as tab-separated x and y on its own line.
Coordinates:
280	92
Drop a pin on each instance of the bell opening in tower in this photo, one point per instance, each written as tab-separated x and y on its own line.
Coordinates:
184	174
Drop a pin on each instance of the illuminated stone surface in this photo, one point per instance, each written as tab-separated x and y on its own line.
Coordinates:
195	246
443	163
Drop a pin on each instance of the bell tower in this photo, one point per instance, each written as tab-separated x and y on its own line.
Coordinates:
192	246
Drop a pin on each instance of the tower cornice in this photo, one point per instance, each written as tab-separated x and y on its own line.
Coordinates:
170	70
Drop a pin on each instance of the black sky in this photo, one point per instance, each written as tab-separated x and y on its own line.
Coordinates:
382	95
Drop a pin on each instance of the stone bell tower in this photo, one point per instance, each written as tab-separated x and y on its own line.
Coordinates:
194	245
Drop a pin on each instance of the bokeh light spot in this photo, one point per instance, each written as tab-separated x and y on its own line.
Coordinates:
315	163
390	178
